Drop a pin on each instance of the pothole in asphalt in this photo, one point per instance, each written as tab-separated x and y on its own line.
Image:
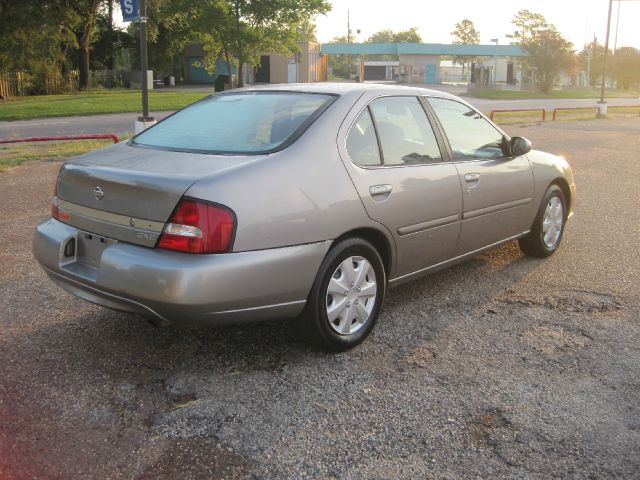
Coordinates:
551	340
575	301
181	400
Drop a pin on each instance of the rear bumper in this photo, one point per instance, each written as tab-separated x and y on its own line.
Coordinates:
180	287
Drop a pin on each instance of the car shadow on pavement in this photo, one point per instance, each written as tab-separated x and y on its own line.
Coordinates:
418	310
112	372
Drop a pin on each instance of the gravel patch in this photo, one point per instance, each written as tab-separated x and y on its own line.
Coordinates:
501	367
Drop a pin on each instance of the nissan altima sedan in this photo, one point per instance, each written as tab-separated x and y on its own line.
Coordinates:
293	201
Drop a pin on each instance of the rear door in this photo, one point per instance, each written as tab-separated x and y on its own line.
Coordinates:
396	164
497	189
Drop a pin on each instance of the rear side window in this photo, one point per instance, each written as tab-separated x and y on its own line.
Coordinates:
470	135
362	144
405	133
234	123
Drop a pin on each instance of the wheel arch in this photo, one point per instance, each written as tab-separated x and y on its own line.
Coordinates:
382	243
564	186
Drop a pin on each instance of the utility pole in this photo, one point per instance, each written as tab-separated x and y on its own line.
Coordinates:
349	40
602	105
145	120
615	42
589	56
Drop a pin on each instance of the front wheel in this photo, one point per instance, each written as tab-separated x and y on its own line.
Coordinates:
548	227
346	296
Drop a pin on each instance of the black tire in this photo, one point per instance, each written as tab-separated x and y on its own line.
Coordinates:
314	323
534	244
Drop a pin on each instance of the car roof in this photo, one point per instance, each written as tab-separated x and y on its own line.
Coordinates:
337	88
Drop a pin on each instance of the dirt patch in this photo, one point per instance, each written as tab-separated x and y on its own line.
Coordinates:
421	356
552	340
485	425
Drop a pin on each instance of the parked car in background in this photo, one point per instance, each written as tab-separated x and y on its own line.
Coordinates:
292	201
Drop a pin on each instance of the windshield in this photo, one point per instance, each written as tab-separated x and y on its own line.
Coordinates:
247	122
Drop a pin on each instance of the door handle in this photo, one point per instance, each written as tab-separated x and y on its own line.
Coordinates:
376	190
472	177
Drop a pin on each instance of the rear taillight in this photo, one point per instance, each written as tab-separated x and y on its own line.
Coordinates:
198	227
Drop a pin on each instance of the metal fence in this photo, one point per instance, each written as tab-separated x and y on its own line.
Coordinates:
18	84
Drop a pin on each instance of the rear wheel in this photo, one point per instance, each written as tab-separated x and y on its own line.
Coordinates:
548	227
346	296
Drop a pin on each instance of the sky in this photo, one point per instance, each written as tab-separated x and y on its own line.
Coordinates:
577	20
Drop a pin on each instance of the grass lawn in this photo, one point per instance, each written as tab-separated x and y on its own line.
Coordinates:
87	103
518	95
14	154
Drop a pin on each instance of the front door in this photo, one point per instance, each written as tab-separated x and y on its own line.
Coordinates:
404	182
497	189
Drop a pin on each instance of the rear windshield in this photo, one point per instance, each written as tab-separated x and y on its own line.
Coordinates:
234	123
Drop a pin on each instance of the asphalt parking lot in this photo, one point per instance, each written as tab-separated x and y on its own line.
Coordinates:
502	367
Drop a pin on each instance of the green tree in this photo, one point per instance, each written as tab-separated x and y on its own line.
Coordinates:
407	36
36	37
465	34
339	64
383	36
240	31
549	52
626	66
307	30
168	32
593	66
86	34
389	36
528	23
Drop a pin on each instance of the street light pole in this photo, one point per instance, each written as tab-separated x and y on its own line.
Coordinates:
602	105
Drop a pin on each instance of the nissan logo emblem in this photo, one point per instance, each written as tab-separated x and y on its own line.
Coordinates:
98	193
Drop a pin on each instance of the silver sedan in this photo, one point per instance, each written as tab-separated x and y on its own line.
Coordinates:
292	201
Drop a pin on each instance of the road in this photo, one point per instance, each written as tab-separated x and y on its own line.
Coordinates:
118	123
501	367
122	123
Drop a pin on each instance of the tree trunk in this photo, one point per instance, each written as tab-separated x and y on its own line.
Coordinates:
240	74
84	67
84	42
110	60
228	62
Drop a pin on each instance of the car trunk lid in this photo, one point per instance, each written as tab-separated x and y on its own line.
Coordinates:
127	193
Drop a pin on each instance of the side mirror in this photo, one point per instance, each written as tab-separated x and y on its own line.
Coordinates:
520	146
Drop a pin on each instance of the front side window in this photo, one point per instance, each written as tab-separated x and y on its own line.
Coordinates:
470	135
405	133
234	123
